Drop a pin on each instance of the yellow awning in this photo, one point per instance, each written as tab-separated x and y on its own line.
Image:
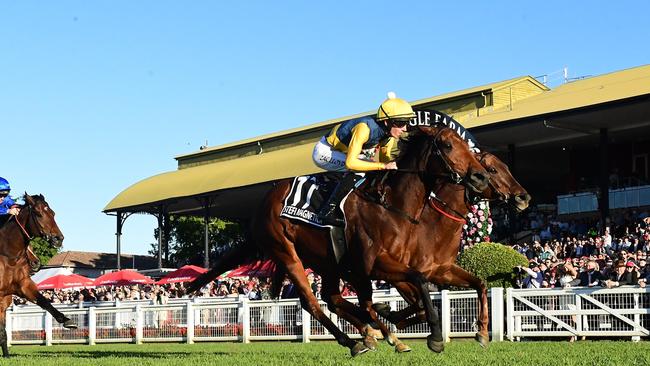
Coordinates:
207	178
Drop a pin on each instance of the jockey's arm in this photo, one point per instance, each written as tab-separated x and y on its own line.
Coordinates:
360	134
385	152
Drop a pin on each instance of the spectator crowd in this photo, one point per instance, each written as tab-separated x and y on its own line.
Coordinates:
561	253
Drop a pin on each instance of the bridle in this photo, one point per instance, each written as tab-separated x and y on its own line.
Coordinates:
23	228
451	175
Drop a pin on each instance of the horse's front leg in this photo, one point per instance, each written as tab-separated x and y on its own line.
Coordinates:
391	270
456	276
29	291
4	304
364	293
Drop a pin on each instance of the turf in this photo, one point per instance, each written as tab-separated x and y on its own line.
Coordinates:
329	353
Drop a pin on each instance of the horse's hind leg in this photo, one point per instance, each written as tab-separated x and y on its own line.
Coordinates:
4	304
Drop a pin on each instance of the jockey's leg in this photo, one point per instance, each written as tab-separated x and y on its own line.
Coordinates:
329	212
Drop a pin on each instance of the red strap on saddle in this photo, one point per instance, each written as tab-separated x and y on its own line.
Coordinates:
444	213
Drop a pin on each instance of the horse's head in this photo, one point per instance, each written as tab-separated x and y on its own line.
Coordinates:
448	151
39	220
503	186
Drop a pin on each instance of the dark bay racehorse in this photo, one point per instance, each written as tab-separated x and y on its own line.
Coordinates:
375	229
437	262
36	219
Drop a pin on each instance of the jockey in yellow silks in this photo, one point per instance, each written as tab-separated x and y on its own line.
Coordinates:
360	145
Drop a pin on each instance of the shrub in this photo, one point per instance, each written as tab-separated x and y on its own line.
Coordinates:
493	263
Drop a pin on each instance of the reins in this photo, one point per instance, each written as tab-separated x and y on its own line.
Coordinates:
453	176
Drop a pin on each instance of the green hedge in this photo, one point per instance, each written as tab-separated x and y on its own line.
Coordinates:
493	263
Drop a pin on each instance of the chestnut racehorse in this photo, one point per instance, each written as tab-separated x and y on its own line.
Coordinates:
437	263
376	228
36	219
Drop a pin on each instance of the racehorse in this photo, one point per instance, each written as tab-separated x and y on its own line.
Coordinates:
36	219
448	210
374	228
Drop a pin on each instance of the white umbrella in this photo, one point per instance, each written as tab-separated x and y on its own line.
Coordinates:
46	273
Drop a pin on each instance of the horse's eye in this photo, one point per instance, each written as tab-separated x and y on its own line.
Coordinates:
448	145
492	170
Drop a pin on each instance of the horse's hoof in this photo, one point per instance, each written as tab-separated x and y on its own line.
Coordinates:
401	348
69	324
435	346
370	342
483	340
358	349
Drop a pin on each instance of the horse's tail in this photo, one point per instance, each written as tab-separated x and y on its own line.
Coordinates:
229	260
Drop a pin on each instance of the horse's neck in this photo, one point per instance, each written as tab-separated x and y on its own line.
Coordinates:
12	238
408	192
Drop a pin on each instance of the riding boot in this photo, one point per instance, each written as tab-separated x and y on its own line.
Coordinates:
329	213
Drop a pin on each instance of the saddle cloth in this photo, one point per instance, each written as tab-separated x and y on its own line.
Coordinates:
307	195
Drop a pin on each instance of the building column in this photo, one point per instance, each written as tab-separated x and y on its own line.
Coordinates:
160	235
604	178
118	238
166	230
206	232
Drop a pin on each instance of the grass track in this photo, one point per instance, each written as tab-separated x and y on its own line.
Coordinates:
599	353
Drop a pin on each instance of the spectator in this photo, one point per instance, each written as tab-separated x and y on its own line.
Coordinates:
591	276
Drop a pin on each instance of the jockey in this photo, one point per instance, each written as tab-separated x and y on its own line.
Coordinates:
360	145
7	204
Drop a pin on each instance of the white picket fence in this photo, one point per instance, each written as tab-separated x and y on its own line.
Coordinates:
516	313
206	319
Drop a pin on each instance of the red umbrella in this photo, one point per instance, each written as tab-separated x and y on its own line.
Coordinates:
64	281
184	274
257	269
122	278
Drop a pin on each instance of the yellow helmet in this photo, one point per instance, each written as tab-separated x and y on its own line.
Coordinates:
394	108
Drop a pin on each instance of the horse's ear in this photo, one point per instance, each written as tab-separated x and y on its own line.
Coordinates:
428	130
29	200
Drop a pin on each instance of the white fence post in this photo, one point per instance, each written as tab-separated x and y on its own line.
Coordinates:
445	315
8	326
510	317
244	310
139	323
637	318
306	325
48	329
496	313
190	323
92	325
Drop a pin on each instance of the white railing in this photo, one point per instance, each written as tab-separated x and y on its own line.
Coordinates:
623	311
618	312
230	320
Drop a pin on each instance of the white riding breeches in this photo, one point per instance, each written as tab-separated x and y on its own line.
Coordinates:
327	158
